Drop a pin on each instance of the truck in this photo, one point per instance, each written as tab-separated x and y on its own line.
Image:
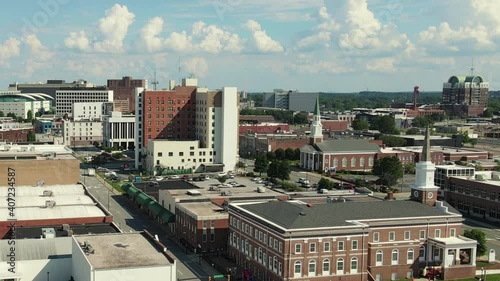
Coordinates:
90	172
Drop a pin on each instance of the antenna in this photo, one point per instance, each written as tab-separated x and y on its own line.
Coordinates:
472	68
154	82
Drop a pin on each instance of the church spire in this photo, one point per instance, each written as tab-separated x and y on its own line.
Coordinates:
426	151
316	126
317	112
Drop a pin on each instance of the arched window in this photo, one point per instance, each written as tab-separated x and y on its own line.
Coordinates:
340	266
354	265
312	268
379	257
326	267
395	257
370	162
344	162
362	162
275	263
335	162
297	269
353	162
410	256
421	254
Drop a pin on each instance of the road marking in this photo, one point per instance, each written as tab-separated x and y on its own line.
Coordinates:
178	271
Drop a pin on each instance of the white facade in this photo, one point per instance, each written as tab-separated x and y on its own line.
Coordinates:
82	132
226	129
21	108
177	155
66	98
119	130
88	111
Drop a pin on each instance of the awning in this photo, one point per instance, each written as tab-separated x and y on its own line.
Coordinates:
126	187
132	192
156	208
168	217
143	198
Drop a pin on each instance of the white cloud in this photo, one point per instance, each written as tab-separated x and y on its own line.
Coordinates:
453	40
10	48
113	29
321	35
38	50
179	42
382	65
150	32
196	65
263	42
217	40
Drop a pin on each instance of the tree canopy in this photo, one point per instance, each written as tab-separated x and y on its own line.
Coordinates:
261	164
360	124
385	124
392	141
389	169
480	237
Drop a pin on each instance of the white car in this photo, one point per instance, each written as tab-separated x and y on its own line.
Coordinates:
159	178
172	177
222	174
256	179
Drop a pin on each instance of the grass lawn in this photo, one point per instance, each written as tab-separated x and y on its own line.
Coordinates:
489	277
480	264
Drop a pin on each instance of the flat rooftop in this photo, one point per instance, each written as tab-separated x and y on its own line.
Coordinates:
13	151
57	212
422	137
444	149
78	229
153	190
485	177
22	191
40	201
205	210
122	250
248	192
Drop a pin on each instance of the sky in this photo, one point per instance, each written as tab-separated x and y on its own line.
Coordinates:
259	45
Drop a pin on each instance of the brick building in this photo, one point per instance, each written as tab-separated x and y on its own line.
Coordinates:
264	128
251	145
465	96
292	240
123	91
335	125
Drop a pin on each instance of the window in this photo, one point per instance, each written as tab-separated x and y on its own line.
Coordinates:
326	247
312	268
312	248
453	232
362	162
409	256
407	235
297	269
275	263
160	154
298	248
340	266
376	236
437	233
344	162
421	253
370	161
392	236
422	234
395	257
379	258
353	162
354	265
354	245
340	245
326	267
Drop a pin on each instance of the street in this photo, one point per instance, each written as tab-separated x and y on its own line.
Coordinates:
492	234
131	219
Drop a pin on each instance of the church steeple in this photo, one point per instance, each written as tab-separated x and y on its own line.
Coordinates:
424	190
316	126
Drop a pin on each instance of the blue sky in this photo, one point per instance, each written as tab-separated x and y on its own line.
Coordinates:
259	45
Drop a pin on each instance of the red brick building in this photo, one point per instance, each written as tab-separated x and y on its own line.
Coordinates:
264	128
335	125
169	114
15	135
123	92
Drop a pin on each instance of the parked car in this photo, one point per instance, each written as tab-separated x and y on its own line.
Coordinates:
302	180
256	179
185	177
159	178
174	177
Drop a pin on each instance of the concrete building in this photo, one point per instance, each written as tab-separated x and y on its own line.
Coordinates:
51	205
88	111
123	92
66	98
82	132
53	164
20	103
50	87
119	130
290	100
264	128
385	240
49	124
443	172
188	113
132	256
465	96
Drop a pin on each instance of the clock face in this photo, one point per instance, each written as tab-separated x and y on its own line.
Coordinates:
430	195
415	193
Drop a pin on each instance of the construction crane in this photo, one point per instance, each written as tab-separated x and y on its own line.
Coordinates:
154	82
416	93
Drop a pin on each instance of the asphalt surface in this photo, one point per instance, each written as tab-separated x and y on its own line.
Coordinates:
130	219
492	234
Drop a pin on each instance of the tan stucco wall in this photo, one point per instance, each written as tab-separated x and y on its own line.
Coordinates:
28	172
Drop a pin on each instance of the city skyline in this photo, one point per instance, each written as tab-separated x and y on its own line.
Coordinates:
317	45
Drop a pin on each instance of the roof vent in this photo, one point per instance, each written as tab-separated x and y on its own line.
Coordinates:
47	193
495	176
480	177
50	204
302	213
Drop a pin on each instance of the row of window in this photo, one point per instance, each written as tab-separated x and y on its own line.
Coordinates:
471	191
325	268
169	101
326	247
407	235
257	254
201	153
353	162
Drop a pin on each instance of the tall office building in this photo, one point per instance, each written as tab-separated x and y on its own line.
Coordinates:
50	87
66	98
465	96
183	115
123	92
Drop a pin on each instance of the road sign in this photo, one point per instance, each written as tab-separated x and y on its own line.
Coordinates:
219	276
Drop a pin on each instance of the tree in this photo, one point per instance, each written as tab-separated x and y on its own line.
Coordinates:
488	113
480	237
413	131
221	179
421	122
300	119
271	155
289	154
280	154
38	114
29	115
297	154
12	115
392	141
117	155
473	142
385	124
284	170
360	124
261	164
272	170
389	169
325	184
2	114
98	160
31	136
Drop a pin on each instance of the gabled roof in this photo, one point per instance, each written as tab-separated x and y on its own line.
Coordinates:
294	215
346	145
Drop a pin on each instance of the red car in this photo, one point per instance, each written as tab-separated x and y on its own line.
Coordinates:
185	177
432	272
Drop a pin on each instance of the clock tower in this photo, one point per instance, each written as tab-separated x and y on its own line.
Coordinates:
424	190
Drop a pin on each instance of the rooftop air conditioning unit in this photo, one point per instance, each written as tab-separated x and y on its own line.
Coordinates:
65	227
495	176
47	193
480	177
50	203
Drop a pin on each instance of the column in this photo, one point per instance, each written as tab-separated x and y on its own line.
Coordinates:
473	256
